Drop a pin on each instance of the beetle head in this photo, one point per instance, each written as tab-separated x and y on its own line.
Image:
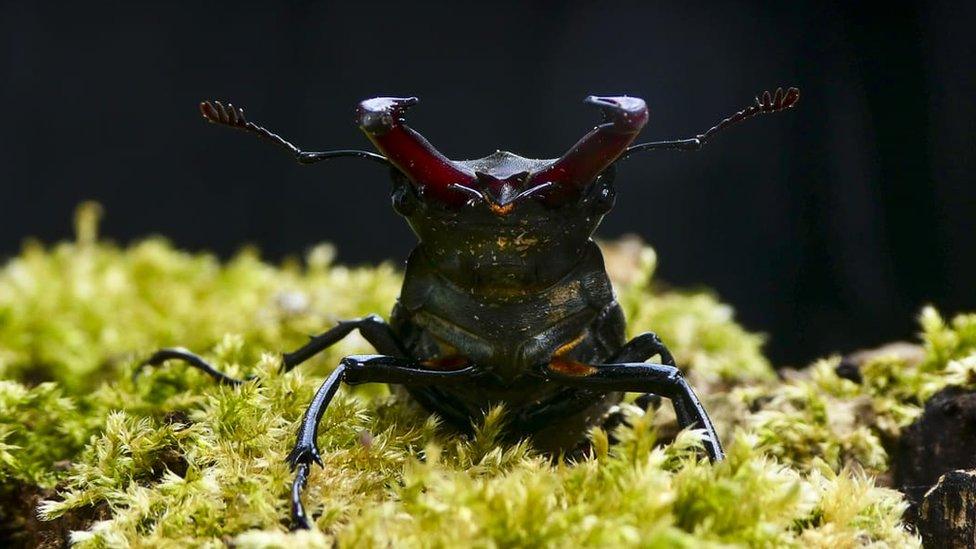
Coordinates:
503	220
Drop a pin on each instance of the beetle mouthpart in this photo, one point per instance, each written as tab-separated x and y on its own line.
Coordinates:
533	190
475	193
598	149
502	193
600	101
501	209
627	113
431	173
380	114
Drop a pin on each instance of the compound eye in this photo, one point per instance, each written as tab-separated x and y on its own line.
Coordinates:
405	199
607	196
604	194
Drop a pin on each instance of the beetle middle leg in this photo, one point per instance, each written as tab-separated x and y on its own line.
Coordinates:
372	327
572	400
354	370
642	377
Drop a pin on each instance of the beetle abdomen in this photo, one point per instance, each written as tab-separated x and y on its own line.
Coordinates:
507	335
503	331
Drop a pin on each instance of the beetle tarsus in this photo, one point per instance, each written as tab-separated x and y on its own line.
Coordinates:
298	516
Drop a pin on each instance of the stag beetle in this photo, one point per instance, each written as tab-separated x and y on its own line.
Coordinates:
506	298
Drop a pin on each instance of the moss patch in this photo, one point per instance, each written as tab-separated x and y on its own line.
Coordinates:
168	458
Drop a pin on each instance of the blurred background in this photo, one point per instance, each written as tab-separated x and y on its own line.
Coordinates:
827	227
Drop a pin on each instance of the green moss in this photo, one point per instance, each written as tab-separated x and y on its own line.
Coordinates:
178	460
39	427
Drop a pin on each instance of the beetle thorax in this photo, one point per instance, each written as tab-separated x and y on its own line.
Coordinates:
508	236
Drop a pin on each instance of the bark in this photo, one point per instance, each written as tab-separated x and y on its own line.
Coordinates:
942	440
947	514
934	459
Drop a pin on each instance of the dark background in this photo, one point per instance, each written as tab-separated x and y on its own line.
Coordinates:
827	227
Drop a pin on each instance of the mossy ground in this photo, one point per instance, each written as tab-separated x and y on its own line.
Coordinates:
168	458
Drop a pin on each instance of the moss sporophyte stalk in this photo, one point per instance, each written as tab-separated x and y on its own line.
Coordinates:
169	458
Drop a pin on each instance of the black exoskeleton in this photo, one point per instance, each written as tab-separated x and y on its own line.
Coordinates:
506	299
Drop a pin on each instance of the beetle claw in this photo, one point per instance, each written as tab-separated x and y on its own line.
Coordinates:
304	454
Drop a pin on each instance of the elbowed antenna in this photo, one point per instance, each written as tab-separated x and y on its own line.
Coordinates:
768	103
431	173
597	150
233	117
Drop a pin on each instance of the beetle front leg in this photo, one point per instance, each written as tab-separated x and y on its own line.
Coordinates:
659	379
353	370
640	349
